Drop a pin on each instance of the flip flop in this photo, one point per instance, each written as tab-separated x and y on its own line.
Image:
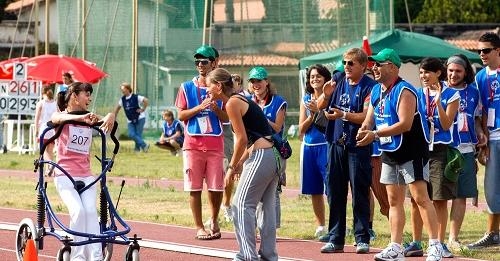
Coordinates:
204	236
215	235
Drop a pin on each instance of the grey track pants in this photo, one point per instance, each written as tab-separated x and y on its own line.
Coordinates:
257	183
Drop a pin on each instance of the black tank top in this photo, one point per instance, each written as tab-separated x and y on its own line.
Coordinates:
256	124
414	146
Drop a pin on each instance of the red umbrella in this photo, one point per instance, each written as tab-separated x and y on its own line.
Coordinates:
7	65
50	68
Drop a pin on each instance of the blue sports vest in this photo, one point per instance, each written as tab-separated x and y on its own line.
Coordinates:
489	89
271	109
469	101
440	136
386	112
130	106
312	135
206	122
170	130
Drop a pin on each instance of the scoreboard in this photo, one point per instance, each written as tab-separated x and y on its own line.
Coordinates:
19	96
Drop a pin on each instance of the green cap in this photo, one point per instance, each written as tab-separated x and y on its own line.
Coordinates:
386	54
205	51
258	73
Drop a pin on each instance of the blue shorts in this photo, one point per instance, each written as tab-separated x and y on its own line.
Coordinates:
313	163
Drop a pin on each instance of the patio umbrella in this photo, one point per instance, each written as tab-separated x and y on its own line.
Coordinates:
7	65
50	68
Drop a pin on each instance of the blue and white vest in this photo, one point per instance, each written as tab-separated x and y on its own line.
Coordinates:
130	106
271	110
206	122
386	112
469	102
447	95
312	136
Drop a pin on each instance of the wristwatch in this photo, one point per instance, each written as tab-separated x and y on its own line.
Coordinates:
344	115
375	133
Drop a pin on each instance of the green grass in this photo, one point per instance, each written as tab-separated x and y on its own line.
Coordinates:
148	202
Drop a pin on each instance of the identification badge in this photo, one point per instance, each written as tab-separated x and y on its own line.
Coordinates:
384	140
204	124
431	134
462	122
491	117
79	139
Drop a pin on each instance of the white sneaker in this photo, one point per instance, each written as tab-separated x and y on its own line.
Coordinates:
434	252
228	214
320	231
393	252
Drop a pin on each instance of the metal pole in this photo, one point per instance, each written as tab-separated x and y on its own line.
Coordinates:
47	26
157	58
37	19
304	25
367	17
133	81
391	14
84	26
203	41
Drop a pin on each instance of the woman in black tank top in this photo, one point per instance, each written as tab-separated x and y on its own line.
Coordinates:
254	164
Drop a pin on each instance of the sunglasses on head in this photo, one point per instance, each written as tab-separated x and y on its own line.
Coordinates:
377	64
350	63
202	61
485	50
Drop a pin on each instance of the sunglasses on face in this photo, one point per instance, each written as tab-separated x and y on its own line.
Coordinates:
254	80
485	50
377	64
202	61
350	63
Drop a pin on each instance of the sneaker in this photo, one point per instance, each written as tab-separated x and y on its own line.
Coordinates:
146	148
446	252
362	248
434	252
372	233
392	252
413	249
332	248
455	244
228	213
489	239
320	231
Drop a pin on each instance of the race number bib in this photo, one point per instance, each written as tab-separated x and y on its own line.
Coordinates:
204	123
462	122
79	139
384	140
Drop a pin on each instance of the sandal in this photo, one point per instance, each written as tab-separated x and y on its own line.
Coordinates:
215	234
202	235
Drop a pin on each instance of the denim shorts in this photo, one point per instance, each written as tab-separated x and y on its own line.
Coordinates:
405	173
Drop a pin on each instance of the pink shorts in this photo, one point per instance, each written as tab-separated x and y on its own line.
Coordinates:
199	165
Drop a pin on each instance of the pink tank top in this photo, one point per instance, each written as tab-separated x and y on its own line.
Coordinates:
73	150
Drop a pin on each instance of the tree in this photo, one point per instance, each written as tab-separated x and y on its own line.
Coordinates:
454	11
414	8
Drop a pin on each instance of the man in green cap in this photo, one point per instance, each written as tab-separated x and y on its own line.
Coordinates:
203	143
403	136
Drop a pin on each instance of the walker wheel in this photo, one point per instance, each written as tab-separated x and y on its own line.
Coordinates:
25	231
64	254
132	254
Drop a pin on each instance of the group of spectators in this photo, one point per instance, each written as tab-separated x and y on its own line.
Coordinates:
389	140
362	127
